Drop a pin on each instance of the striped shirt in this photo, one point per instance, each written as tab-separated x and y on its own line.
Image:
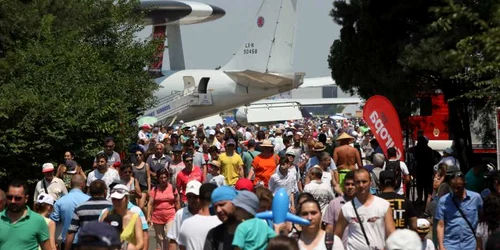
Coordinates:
87	212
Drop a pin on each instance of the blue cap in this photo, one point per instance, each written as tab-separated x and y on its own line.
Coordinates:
99	234
223	193
177	148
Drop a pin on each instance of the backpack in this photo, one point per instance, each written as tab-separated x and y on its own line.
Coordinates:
396	167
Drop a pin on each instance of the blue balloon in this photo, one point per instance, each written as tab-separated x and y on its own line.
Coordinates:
279	213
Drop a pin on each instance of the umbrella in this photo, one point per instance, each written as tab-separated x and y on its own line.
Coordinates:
147	120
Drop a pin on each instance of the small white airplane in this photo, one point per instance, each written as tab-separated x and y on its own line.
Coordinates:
263	67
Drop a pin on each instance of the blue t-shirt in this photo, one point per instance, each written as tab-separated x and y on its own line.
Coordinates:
253	234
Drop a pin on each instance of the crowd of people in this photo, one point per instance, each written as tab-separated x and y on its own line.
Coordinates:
203	188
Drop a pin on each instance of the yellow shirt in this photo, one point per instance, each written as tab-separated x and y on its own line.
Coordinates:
128	233
230	166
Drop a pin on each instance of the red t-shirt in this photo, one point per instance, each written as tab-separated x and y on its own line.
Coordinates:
185	176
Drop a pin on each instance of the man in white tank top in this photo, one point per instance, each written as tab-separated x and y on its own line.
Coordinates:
373	222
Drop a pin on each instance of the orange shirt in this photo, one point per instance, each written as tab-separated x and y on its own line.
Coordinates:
264	168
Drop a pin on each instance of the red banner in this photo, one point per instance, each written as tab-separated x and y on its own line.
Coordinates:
383	121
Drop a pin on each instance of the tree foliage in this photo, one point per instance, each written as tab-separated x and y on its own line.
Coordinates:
401	48
71	74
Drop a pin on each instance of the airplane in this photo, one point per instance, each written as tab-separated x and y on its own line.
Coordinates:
262	67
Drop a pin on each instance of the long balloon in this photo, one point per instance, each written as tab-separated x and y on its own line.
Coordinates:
279	212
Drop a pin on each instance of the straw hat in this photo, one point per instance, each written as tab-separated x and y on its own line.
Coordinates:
318	146
344	136
215	163
267	143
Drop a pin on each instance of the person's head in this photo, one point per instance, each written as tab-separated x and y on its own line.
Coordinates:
187	158
267	148
193	194
159	147
215	168
304	196
457	182
282	242
3	200
69	155
290	155
325	160
378	160
177	151
286	142
244	184
322	138
442	169
189	146
102	162
48	171
119	196
265	198
374	143
251	144
77	181
284	166
246	204
391	152
163	176
448	152
311	211
349	186
17	196
98	188
222	198
206	190
96	235
139	155
403	239
126	171
315	173
213	151
491	212
230	146
45	203
362	181
423	228
109	145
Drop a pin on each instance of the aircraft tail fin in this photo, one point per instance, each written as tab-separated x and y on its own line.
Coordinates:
270	44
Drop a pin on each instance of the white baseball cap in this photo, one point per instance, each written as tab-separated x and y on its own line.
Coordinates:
289	133
193	187
45	199
119	191
211	132
47	167
404	239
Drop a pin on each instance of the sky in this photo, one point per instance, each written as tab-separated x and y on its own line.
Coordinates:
212	44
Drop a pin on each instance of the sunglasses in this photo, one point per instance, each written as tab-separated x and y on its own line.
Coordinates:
188	160
127	172
291	155
138	155
120	191
16	198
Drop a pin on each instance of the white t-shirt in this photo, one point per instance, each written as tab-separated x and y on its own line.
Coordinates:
337	244
278	181
218	180
180	216
483	232
404	171
322	192
194	231
373	219
109	177
427	244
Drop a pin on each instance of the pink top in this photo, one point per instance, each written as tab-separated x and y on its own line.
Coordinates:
164	204
183	177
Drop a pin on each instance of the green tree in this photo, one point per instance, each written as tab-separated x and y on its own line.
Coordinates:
71	74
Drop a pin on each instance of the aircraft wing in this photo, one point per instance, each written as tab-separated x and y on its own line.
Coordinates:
250	78
313	101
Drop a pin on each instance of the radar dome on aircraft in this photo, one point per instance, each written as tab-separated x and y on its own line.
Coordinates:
162	12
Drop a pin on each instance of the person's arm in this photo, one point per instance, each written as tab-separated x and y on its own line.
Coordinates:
336	186
138	234
150	209
389	223
440	234
341	225
335	155
241	171
358	160
52	233
79	171
292	203
60	171
138	190
479	243
70	237
45	245
148	176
